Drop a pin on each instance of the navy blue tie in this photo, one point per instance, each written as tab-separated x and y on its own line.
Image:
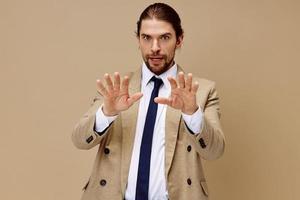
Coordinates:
142	184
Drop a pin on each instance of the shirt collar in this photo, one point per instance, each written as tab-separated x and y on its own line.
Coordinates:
147	75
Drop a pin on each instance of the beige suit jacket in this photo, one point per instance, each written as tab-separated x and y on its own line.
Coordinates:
183	150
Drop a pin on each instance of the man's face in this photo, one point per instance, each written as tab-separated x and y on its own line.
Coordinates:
158	43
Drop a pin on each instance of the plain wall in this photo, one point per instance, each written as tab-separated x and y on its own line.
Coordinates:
51	53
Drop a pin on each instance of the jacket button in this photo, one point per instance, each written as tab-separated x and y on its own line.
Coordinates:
103	182
202	143
89	139
106	151
189	181
189	148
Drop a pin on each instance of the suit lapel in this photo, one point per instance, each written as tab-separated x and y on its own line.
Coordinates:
173	117
172	124
129	120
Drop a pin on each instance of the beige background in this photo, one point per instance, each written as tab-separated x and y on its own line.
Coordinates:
52	51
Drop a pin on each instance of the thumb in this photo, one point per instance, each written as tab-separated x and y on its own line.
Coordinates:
162	100
135	97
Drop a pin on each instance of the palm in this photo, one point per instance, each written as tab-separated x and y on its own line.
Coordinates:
118	101
179	96
116	95
183	94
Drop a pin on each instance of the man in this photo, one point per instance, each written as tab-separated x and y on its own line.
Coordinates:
155	125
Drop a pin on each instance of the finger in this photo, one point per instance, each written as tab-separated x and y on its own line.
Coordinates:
188	83
162	100
124	85
195	87
181	80
100	88
134	98
173	83
108	82
117	81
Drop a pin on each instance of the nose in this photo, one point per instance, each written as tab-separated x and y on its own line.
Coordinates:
155	48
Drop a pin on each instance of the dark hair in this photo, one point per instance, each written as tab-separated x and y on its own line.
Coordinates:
163	12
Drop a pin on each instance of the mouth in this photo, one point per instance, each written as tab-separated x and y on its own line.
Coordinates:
156	59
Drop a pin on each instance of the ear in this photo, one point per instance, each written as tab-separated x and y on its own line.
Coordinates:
138	41
179	41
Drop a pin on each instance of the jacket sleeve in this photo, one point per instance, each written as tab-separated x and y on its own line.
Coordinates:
210	143
84	135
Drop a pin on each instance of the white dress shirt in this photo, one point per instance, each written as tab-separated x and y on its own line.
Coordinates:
157	182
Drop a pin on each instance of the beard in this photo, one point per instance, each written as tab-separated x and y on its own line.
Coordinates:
159	69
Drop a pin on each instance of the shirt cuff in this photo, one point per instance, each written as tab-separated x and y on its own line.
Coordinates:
103	121
194	121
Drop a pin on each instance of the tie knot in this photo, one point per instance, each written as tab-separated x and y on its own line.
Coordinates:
157	81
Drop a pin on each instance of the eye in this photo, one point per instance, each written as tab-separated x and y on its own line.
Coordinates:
165	37
145	37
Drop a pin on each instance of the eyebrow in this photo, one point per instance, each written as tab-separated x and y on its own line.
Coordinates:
144	34
164	34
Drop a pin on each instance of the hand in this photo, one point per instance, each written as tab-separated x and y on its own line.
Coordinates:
116	95
183	94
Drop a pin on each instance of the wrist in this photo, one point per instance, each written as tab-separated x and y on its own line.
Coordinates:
108	112
191	110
